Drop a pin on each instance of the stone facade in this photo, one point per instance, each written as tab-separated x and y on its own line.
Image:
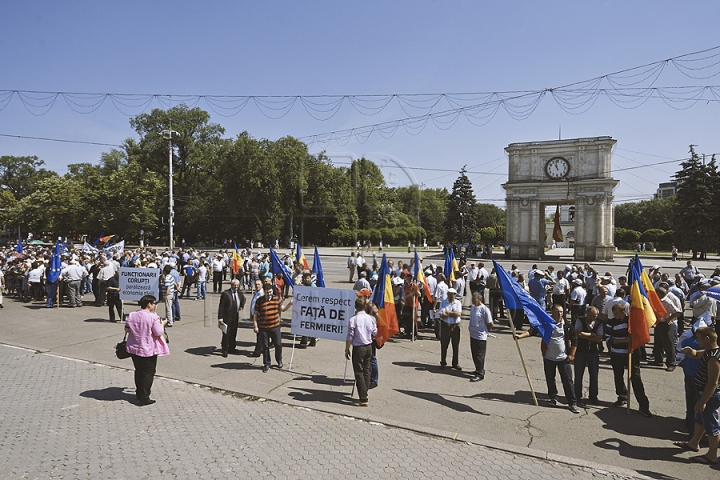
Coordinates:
566	172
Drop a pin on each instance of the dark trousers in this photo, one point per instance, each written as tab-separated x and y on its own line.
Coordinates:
496	303
478	349
102	295
561	300
619	364
144	375
187	284
565	369
268	335
690	400
592	362
449	333
425	306
664	343
217	282
361	356
114	303
229	339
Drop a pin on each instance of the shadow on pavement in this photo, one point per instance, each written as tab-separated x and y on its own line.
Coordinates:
625	449
98	320
236	366
617	420
324	380
109	394
440	400
431	368
326	396
521	397
202	351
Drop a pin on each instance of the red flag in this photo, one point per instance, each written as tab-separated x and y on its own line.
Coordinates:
557	231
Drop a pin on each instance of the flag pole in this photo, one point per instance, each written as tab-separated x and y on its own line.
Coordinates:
629	374
292	352
522	359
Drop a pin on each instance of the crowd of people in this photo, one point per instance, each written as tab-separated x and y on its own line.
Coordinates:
590	309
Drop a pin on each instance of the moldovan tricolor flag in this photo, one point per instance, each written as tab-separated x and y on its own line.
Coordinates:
237	260
641	316
650	292
387	322
301	258
420	277
557	231
451	265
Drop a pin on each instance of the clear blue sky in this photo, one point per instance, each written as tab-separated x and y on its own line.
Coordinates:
369	47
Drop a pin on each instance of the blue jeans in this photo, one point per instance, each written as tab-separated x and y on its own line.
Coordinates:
175	307
201	289
592	362
709	418
374	372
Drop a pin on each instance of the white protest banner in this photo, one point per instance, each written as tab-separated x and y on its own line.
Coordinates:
117	248
138	282
322	312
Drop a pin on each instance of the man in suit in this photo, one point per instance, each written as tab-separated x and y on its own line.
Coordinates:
232	301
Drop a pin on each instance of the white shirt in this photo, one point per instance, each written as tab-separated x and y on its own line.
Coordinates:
480	319
447	307
578	295
441	291
561	287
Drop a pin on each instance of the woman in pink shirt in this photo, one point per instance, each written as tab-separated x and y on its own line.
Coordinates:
144	343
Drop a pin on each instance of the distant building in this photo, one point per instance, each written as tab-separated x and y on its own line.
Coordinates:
667	189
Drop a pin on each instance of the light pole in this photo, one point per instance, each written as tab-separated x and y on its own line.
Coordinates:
462	226
168	135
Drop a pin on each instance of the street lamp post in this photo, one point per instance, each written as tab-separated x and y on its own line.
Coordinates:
462	226
168	135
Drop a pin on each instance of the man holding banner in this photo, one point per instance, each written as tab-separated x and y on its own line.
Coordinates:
362	328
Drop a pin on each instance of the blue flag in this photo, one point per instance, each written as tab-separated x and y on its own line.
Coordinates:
55	264
97	240
317	269
19	247
276	266
518	301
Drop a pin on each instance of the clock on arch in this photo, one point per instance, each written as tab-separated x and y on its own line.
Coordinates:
557	168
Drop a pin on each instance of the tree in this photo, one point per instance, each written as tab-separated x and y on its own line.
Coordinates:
625	238
22	175
195	164
460	219
695	220
641	216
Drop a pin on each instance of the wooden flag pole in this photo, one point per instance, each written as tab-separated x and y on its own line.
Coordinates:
628	378
522	359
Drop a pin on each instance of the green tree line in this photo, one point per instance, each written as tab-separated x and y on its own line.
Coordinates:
689	220
235	188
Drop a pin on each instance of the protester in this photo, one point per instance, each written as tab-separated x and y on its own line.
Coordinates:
232	301
618	337
590	335
145	343
113	297
480	323
707	384
449	312
558	355
362	328
267	321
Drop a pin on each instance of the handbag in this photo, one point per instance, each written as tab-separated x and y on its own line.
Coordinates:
121	350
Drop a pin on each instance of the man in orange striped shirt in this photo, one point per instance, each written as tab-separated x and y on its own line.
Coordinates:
266	321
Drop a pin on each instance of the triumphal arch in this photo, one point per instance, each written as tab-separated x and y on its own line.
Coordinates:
572	172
